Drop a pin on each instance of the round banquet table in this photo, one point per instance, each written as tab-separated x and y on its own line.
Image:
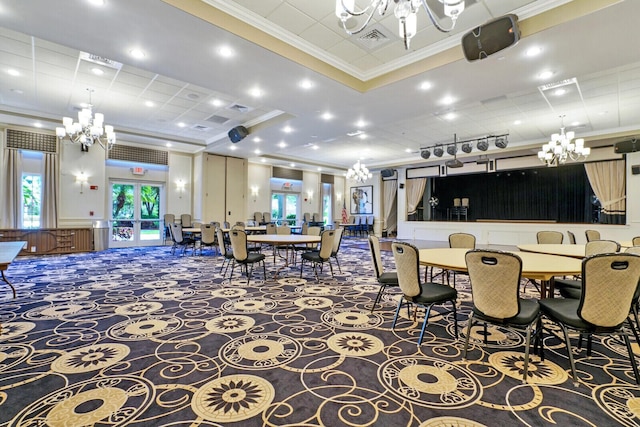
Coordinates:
574	251
283	240
535	266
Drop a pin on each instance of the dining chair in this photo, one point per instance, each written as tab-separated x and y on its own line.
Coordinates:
319	257
572	237
242	255
227	254
270	228
185	220
168	220
180	241
305	247
385	278
337	241
414	292
570	288
549	237
370	222
266	218
456	240
495	281
592	235
258	218
207	236
609	283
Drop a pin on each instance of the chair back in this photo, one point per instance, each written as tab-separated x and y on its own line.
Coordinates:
305	228
313	231
549	237
221	244
352	219
239	244
337	239
317	217
595	247
226	224
462	240
176	233
635	241
408	268
185	220
215	224
257	217
238	226
464	202
592	235
326	244
370	220
495	279
609	282
270	228
457	202
306	217
207	234
376	256
266	217
572	237
283	229
169	219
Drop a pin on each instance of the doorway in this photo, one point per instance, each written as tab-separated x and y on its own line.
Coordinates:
285	208
135	214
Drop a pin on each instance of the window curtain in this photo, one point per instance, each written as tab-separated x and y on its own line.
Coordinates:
607	180
415	190
390	188
49	213
13	188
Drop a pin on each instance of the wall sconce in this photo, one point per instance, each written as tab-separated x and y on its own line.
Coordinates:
180	186
82	179
255	190
309	195
338	197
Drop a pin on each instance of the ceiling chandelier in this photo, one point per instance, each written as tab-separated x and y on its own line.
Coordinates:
359	172
88	130
562	147
405	11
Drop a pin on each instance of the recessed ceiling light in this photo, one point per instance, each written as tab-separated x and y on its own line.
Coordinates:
282	144
263	160
37	124
362	136
408	150
425	85
450	116
226	52
287	129
361	123
257	139
517	122
217	102
319	169
149	103
96	2
256	92
559	92
315	147
97	71
137	53
533	51
168	144
182	124
293	165
327	116
306	84
447	100
13	72
547	74
257	151
575	123
233	147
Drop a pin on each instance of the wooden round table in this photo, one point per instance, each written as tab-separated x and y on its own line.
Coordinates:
574	251
283	240
535	266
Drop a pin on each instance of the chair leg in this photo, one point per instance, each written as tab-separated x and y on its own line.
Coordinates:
395	318
424	324
526	354
634	328
466	339
301	266
379	296
455	318
264	271
338	262
632	358
571	361
331	268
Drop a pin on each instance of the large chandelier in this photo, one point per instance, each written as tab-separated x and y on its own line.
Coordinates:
562	147
88	130
359	172
405	11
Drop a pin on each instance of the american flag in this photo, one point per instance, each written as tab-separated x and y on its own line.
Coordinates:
345	216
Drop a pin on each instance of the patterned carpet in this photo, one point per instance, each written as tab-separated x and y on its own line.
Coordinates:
139	337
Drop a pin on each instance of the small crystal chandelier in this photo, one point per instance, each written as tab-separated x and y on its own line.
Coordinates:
405	11
359	172
561	147
88	129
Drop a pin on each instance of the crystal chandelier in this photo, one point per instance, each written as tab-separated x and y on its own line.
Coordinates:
562	147
405	11
359	172
88	130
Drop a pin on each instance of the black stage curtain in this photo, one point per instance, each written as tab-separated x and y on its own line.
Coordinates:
560	194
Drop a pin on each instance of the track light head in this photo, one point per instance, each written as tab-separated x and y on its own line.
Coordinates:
501	141
452	149
438	151
425	154
483	144
466	147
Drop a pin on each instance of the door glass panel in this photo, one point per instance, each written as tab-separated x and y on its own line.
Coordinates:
123	209
284	208
150	212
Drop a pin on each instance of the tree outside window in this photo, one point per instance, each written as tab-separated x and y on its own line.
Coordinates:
31	200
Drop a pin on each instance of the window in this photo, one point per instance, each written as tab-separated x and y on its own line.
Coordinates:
31	200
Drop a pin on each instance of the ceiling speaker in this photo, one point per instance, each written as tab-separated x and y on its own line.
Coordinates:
630	146
387	173
491	37
238	133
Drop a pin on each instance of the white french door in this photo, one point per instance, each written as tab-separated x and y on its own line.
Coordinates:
135	214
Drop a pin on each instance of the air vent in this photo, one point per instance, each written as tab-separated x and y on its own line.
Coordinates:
239	108
100	60
200	128
374	38
217	119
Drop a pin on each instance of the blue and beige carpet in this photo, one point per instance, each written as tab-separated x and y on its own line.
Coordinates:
139	337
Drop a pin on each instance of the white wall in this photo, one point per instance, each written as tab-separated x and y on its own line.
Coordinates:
180	170
311	187
258	189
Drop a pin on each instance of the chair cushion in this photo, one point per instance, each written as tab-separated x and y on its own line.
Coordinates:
567	283
572	293
529	310
435	292
388	278
313	256
253	257
563	310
